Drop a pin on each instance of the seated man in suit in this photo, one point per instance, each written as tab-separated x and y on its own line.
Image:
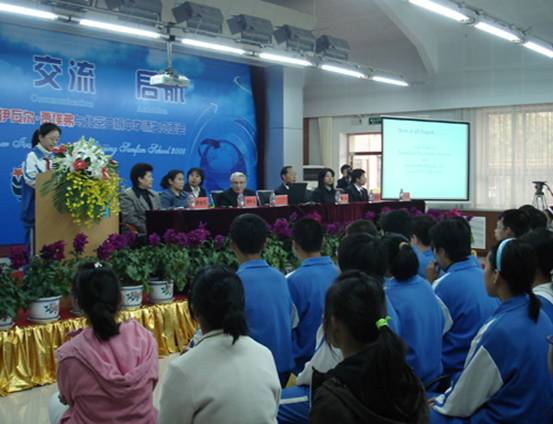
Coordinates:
356	191
288	177
229	197
138	199
345	181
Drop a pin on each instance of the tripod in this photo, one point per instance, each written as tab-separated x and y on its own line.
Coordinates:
540	200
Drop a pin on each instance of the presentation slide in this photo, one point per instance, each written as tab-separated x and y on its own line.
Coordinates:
428	159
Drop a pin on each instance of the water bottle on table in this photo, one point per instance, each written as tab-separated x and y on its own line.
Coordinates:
241	200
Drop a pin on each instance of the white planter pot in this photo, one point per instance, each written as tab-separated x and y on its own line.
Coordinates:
162	292
131	297
6	323
44	310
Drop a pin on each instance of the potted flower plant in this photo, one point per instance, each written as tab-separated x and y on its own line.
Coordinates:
72	264
11	297
45	282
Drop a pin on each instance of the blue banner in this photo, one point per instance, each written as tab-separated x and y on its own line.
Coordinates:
100	89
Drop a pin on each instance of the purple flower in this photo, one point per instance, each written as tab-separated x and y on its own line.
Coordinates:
415	212
332	229
370	216
293	217
154	239
130	238
54	251
219	242
169	236
315	216
281	228
385	210
79	243
105	250
18	257
118	241
180	239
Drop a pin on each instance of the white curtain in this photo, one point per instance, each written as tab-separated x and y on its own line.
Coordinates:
514	146
326	141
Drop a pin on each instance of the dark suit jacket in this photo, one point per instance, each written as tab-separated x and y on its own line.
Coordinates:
281	190
188	189
343	183
133	209
357	196
229	197
322	195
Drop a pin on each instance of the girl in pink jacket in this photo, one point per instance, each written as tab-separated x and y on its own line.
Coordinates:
106	373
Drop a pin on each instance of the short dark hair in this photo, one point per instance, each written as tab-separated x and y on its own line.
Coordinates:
98	293
344	167
198	171
139	170
516	220
217	295
170	176
43	131
402	260
421	228
356	174
322	175
284	171
398	221
249	232
454	236
362	226
308	234
541	240
364	253
536	218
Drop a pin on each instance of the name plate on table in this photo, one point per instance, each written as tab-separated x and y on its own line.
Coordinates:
405	196
281	200
344	199
201	203
250	202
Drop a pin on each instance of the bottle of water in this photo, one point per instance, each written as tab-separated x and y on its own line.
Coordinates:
400	194
272	199
337	197
371	196
241	201
190	201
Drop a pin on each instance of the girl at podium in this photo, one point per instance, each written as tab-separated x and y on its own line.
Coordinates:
37	161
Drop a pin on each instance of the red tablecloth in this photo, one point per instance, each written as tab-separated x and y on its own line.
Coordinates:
218	220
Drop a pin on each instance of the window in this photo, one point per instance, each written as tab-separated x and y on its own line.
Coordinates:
514	146
365	152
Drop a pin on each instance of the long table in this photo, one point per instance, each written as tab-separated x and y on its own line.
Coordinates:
218	220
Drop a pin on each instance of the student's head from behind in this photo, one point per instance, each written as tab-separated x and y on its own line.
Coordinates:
217	302
451	241
359	177
98	294
363	226
326	178
248	234
345	170
421	230
195	177
511	223
510	270
174	180
536	218
402	260
238	182
307	237
47	135
142	176
364	253
542	242
288	175
399	222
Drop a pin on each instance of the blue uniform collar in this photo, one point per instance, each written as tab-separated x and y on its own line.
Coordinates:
254	263
41	152
469	262
391	282
322	260
514	302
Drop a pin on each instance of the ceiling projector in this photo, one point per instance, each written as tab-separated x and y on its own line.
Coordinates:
170	78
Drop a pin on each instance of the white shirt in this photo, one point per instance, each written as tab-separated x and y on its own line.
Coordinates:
195	191
221	382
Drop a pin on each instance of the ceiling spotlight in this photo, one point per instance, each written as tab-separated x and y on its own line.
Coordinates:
295	38
333	47
252	29
145	9
199	17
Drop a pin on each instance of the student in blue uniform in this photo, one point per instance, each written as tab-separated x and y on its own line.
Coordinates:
511	223
464	301
308	285
37	161
542	242
398	222
505	377
417	307
268	302
420	240
358	251
173	195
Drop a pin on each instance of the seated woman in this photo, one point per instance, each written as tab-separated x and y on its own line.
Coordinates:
106	373
374	383
325	192
195	177
174	196
227	377
505	378
419	313
138	199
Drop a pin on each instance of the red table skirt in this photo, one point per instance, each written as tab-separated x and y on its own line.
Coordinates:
218	220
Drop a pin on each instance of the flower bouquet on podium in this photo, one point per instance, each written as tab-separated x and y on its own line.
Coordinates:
84	182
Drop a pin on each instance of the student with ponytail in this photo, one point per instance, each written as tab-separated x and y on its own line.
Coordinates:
419	313
227	377
505	378
37	161
374	383
106	373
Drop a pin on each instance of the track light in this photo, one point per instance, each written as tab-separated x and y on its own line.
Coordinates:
27	11
538	48
122	29
271	57
343	71
391	81
497	31
440	9
193	42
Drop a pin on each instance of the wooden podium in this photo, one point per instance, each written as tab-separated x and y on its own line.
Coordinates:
52	226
